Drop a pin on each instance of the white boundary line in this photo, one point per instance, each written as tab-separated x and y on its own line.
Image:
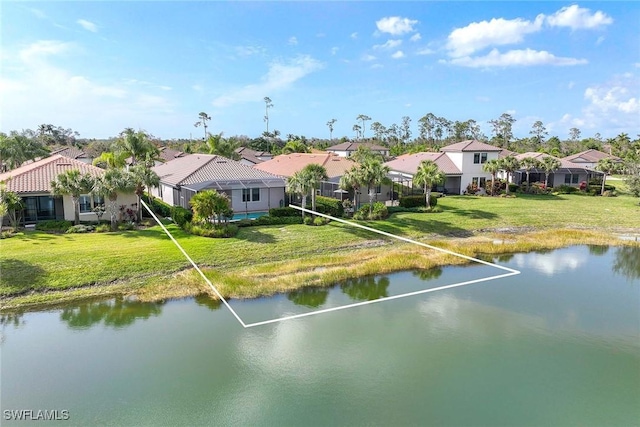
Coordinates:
511	272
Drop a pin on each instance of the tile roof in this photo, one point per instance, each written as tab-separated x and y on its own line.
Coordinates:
353	146
564	163
195	169
36	177
506	153
252	155
408	163
590	156
470	145
167	154
70	152
288	164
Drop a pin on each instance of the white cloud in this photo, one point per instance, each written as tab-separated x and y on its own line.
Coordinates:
43	48
37	12
354	35
368	57
637	65
88	25
397	55
483	99
415	37
334	50
279	77
599	40
396	25
571	84
166	87
426	51
479	35
293	41
613	98
389	44
249	50
512	58
576	17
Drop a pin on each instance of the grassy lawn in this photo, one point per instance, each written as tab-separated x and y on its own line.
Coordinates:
36	262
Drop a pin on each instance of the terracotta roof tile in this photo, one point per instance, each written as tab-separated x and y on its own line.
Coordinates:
590	156
36	177
288	164
470	145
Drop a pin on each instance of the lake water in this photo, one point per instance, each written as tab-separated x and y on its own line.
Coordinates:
558	344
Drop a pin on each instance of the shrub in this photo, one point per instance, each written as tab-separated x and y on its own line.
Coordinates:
80	228
379	211
54	225
609	193
181	215
513	188
308	220
270	220
126	226
8	233
565	189
210	230
417	201
320	221
103	228
284	212
158	206
328	206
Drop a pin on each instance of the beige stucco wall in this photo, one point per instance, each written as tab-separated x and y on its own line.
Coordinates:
269	198
69	211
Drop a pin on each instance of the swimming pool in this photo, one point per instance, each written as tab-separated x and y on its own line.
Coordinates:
248	215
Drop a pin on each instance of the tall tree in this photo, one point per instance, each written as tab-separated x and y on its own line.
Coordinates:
378	130
110	159
574	134
299	184
352	179
296	146
136	145
427	175
143	177
503	129
426	125
203	118
405	129
509	165
330	123
268	104
74	184
607	166
113	181
358	130
225	147
492	166
549	164
373	174
314	174
16	148
363	118
539	132
529	163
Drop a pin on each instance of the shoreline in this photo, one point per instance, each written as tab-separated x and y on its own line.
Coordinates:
324	269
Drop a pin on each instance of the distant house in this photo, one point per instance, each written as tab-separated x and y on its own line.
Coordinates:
469	157
251	157
569	173
167	154
403	168
73	153
590	158
32	183
346	149
249	189
286	165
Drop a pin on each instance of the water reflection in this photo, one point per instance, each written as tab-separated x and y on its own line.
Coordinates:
366	288
117	313
430	274
551	263
598	249
309	297
207	301
627	262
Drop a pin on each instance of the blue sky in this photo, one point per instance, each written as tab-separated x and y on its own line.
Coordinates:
98	67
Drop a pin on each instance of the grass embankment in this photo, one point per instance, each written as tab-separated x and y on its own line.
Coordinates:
39	268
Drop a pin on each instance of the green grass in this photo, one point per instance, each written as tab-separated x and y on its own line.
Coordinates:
36	264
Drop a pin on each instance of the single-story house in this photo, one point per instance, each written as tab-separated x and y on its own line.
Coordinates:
249	189
251	157
346	149
285	165
32	182
569	173
167	154
403	168
74	153
590	158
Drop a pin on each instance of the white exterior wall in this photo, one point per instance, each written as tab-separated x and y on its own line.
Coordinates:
269	198
340	153
69	209
469	169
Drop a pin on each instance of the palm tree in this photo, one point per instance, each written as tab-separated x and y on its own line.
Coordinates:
114	181
330	123
529	163
492	166
73	183
352	179
373	173
607	166
136	145
223	147
143	177
549	164
296	146
510	165
298	184
427	175
109	159
314	174
203	118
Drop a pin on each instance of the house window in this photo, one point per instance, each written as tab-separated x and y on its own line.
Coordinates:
98	200
479	158
571	179
250	194
85	203
479	182
379	189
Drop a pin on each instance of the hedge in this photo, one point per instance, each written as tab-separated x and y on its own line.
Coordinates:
417	201
181	215
270	220
158	206
283	212
327	206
